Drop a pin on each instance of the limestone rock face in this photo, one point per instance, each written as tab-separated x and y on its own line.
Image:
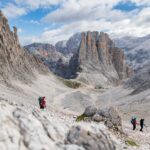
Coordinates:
98	56
112	117
100	49
47	53
90	111
89	141
14	61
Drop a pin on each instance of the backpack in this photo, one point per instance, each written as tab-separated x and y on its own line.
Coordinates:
132	121
43	103
40	100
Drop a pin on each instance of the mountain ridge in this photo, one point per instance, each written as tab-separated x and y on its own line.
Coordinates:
15	62
98	49
137	50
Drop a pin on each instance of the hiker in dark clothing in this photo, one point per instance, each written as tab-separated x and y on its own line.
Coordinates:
134	123
42	102
142	124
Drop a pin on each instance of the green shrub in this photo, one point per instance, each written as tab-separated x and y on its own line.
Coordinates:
131	142
72	84
81	118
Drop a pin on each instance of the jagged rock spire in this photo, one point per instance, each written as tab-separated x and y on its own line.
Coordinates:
15	62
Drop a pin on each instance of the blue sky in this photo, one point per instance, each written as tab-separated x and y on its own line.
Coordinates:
54	20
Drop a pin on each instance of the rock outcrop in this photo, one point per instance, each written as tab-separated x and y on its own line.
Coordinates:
110	116
14	61
98	56
90	111
88	140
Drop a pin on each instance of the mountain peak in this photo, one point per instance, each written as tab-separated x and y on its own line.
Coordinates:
15	62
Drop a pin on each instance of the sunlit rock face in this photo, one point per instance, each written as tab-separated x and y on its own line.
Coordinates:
98	58
15	62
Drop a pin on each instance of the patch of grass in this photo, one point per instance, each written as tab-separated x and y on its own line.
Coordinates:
72	84
81	118
131	142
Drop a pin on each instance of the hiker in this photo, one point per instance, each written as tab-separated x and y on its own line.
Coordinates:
134	122
42	102
142	124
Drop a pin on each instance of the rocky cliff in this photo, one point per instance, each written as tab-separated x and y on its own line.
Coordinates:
15	63
99	59
52	58
91	56
42	50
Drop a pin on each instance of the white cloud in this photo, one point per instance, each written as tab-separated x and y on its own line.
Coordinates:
21	7
81	15
141	2
74	10
34	22
20	30
11	10
35	4
120	28
143	17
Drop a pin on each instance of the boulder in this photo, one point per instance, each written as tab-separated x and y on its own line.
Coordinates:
90	111
97	118
114	116
103	112
109	124
89	140
111	115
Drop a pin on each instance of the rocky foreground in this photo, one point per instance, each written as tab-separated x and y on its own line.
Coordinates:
23	128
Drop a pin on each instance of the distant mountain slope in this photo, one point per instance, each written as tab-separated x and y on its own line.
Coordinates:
46	51
55	60
140	81
70	46
136	49
15	62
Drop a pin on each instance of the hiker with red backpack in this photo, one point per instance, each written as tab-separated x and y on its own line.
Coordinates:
42	102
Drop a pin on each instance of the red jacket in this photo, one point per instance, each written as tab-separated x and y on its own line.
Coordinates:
135	122
43	102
